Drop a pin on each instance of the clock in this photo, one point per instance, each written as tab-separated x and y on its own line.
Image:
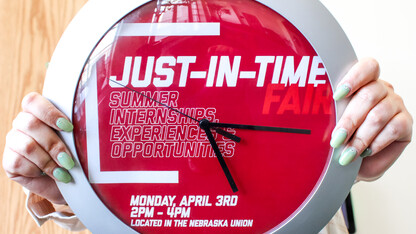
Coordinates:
202	116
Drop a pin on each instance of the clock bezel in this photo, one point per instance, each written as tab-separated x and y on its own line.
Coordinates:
312	19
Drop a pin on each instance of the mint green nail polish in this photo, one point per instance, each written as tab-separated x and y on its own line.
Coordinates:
62	175
341	92
65	160
64	125
347	156
338	138
367	152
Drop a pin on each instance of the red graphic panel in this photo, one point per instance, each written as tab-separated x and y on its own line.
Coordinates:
163	69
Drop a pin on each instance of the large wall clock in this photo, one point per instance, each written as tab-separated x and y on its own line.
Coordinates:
202	115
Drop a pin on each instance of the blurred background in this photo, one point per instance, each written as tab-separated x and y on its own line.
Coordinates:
383	29
30	30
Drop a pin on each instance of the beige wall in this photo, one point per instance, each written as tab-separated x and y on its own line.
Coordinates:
29	32
386	30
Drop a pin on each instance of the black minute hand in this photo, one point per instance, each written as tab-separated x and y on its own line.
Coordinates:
260	128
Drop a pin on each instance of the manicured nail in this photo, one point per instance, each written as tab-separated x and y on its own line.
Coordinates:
65	160
338	138
62	175
347	156
367	152
341	92
64	125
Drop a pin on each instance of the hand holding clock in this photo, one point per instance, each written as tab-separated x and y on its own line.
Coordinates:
33	150
375	119
375	123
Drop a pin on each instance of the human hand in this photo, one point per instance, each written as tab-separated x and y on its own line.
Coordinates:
34	155
375	124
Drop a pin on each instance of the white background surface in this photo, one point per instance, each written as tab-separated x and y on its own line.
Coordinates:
385	30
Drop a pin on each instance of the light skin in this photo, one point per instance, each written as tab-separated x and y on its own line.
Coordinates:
32	148
375	119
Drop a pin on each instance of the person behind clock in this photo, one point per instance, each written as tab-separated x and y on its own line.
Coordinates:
375	125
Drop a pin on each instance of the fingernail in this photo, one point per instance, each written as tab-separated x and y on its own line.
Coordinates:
62	175
338	138
367	152
341	92
347	156
64	125
65	160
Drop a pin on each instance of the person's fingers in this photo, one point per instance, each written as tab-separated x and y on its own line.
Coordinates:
384	149
43	186
362	73
375	121
355	113
397	130
45	137
16	165
385	123
375	125
40	107
369	129
26	146
374	167
27	174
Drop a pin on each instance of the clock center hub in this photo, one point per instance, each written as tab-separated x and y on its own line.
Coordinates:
204	124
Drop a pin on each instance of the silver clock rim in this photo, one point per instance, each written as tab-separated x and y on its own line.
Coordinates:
310	17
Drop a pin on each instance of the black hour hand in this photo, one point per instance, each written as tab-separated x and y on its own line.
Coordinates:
205	125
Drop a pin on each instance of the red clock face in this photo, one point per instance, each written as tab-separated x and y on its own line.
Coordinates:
165	67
